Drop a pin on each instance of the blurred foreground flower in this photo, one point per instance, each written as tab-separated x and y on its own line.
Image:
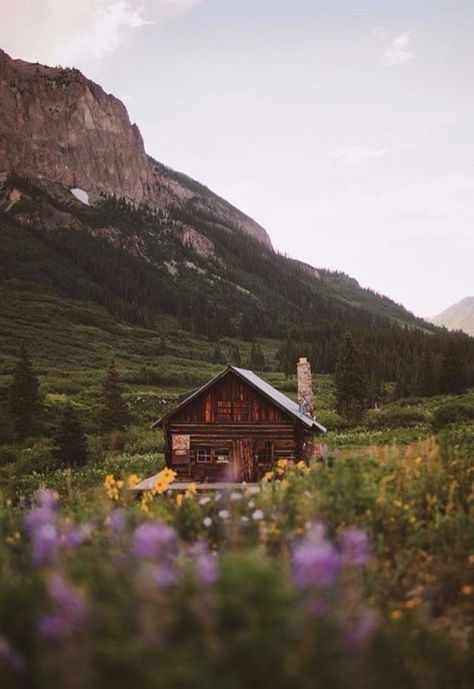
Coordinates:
68	608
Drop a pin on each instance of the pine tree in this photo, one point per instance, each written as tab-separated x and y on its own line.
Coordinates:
70	444
426	378
234	356
218	357
453	378
115	414
350	379
24	399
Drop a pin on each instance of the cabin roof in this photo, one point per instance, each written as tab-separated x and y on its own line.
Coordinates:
278	398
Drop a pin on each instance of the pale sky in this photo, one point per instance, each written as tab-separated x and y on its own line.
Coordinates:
344	127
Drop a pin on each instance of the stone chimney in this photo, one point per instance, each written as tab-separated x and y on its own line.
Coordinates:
305	387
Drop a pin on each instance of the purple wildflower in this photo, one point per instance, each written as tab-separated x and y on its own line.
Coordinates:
68	608
117	521
316	563
354	547
361	630
205	563
151	540
73	537
164	575
8	656
45	541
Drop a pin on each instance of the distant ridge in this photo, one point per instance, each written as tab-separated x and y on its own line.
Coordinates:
459	316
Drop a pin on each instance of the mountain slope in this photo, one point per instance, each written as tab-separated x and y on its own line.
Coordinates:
58	125
459	316
97	238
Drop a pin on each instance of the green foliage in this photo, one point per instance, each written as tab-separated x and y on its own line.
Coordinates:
25	402
350	379
451	412
114	413
70	444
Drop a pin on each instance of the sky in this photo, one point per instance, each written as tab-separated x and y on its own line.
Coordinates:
344	127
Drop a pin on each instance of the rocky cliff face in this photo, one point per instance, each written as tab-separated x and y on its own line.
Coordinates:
58	125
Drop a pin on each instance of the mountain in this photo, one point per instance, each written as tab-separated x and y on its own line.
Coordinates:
58	125
459	316
104	249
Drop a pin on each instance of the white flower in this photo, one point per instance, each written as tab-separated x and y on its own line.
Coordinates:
257	515
207	521
251	503
224	514
204	500
235	497
244	519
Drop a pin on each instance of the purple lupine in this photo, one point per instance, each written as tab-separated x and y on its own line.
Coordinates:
69	608
354	546
205	563
73	537
164	575
361	630
315	561
8	656
117	521
45	540
151	540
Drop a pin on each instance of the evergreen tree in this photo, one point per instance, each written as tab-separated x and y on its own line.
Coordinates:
426	375
218	357
234	356
70	444
24	399
115	414
453	378
350	379
257	357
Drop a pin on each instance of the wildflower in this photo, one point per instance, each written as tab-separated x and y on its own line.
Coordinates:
207	521
315	560
152	539
257	515
396	614
68	608
179	499
73	537
133	480
268	476
204	500
205	563
467	590
354	547
470	559
224	514
112	486
164	575
8	656
244	518
235	497
163	480
117	521
361	630
191	490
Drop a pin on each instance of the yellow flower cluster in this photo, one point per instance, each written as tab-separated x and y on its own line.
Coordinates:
163	481
133	480
190	492
112	486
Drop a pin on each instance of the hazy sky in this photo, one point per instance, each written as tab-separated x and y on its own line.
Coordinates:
344	127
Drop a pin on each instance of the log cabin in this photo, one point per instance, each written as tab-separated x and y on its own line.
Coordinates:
236	426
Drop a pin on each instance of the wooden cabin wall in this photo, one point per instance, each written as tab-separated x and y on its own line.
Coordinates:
250	420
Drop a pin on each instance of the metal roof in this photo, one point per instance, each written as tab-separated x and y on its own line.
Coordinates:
280	400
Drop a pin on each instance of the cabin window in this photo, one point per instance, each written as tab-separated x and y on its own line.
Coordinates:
236	412
264	452
203	454
222	455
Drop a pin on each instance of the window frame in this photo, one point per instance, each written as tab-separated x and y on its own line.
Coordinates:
208	452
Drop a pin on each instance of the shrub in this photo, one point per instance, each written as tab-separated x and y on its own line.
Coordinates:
452	412
395	417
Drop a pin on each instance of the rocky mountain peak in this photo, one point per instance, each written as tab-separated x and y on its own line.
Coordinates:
57	124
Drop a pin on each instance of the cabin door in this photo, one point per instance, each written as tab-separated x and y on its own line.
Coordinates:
245	460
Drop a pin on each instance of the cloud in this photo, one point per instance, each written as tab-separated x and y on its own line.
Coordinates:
76	33
349	155
399	51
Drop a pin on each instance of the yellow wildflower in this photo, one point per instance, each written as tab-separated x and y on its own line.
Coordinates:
191	490
268	476
179	499
467	590
133	480
396	614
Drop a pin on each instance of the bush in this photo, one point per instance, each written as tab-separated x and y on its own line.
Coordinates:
456	411
395	417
